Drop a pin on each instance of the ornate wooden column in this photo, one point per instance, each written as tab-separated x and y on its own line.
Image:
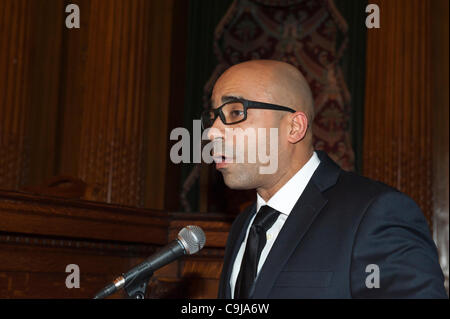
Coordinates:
91	102
398	110
440	127
13	80
122	51
30	49
406	109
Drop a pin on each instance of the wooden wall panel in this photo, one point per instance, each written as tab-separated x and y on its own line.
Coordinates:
158	90
177	97
91	102
440	127
127	79
44	87
406	108
30	38
15	28
397	133
73	86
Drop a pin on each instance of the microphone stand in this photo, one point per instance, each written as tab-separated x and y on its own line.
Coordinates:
137	287
190	240
134	289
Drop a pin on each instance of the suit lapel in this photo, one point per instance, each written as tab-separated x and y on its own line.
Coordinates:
236	239
300	219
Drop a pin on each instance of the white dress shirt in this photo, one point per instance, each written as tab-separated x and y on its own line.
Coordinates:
283	201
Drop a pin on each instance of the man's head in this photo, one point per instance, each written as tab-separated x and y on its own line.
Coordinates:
271	82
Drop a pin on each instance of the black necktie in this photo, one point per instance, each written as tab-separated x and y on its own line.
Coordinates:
256	241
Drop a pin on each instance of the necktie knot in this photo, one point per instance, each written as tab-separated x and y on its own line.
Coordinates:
265	218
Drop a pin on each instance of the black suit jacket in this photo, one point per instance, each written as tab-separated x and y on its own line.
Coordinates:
340	227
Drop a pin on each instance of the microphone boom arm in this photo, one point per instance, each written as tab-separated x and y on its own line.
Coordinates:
190	240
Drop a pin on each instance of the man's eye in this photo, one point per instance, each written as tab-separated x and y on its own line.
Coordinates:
236	113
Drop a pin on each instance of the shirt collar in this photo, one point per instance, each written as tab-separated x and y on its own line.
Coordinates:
286	197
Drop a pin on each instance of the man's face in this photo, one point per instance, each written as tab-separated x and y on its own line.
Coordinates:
250	136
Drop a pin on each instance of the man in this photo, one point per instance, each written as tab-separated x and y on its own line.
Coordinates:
315	231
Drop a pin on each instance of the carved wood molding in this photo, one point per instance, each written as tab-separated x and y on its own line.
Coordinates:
51	217
85	245
31	214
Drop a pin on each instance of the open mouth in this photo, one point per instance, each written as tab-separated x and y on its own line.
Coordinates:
222	159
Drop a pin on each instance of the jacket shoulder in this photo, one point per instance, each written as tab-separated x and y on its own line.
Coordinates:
361	183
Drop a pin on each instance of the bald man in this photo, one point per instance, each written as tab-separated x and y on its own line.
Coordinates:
314	231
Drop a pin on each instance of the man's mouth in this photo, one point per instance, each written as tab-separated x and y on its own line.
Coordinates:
222	161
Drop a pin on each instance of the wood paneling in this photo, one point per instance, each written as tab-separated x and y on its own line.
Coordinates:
15	28
122	122
30	38
44	85
406	109
177	98
73	87
440	127
40	236
397	133
91	103
111	150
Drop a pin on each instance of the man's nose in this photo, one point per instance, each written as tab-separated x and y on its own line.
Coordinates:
217	130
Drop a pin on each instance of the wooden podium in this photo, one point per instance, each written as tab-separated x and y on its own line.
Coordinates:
41	235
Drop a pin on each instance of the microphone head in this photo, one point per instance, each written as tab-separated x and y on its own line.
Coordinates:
192	238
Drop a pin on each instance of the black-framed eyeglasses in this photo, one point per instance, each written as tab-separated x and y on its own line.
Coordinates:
235	111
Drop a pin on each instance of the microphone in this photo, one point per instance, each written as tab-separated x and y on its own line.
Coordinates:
190	240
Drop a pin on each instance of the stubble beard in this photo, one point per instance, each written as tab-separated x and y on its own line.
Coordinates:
241	176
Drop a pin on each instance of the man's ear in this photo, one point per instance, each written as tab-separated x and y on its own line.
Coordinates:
298	127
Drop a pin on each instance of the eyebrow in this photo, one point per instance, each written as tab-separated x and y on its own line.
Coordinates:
226	99
230	98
